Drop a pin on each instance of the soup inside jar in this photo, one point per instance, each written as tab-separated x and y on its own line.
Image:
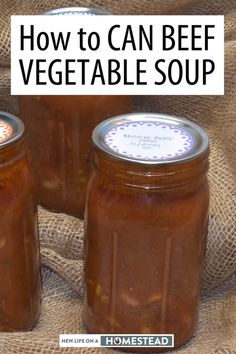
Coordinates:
65	123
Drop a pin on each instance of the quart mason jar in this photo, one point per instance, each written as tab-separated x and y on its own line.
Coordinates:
20	287
65	124
146	225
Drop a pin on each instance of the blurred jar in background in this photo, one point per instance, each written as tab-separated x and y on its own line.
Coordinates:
59	134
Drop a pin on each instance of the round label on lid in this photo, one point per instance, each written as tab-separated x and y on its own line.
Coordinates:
150	138
5	131
11	129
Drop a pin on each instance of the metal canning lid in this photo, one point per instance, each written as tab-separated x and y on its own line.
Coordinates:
11	129
87	11
150	138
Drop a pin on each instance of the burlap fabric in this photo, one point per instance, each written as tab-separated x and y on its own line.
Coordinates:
62	236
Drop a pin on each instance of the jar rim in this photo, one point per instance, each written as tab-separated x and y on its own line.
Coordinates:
92	11
194	141
11	129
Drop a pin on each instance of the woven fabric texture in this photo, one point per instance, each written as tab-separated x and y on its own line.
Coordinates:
61	235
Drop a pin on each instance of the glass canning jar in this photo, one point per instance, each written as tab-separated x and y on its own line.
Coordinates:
146	226
20	288
65	124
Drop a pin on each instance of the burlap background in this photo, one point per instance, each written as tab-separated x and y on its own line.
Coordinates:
62	236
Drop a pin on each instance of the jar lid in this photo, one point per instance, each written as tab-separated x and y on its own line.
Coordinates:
90	11
150	138
11	129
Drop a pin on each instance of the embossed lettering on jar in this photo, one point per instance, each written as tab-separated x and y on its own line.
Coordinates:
20	288
146	226
64	125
